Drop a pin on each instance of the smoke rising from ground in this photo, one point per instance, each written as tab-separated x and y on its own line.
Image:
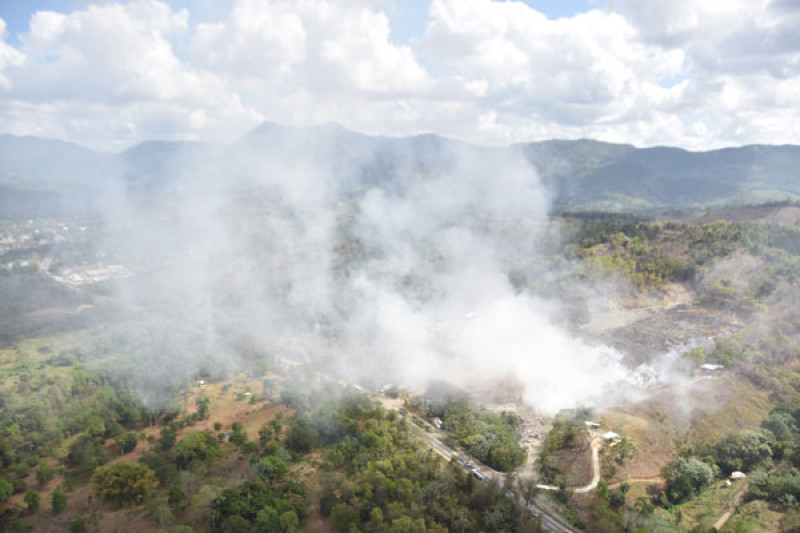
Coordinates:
382	261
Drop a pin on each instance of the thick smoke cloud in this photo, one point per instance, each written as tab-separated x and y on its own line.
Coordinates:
378	260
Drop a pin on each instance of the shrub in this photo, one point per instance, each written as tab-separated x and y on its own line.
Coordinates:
124	483
58	500
127	443
33	499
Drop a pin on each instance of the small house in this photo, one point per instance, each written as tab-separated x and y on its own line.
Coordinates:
611	436
738	475
438	422
591	425
709	370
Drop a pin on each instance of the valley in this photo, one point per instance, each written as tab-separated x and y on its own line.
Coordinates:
370	266
734	310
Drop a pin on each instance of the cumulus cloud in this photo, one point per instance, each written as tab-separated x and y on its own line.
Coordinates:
9	56
112	53
689	73
741	59
109	76
259	39
572	74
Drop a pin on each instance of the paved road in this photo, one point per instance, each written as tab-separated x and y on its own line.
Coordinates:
549	522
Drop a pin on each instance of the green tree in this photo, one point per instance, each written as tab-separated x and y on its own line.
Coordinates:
302	437
127	443
157	509
272	468
744	450
196	446
58	500
264	435
176	497
239	435
685	477
85	454
162	465
782	425
276	424
33	500
238	524
289	521
181	529
203	403
6	490
124	483
77	524
267	519
167	438
406	524
376	519
44	474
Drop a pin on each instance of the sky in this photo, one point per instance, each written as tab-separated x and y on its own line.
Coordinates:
694	74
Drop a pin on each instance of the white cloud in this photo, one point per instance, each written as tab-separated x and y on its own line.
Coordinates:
109	76
259	40
9	56
571	76
311	61
491	72
107	53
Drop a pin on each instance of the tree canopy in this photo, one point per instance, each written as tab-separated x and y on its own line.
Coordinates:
124	483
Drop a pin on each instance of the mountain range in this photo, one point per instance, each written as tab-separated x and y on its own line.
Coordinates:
40	177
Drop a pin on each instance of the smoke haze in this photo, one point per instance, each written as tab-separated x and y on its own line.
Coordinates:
383	260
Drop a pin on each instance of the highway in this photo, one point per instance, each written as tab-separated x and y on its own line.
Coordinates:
549	522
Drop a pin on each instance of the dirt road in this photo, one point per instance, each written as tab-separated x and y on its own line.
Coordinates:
597	443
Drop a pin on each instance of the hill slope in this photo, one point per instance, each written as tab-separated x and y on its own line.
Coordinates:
593	174
51	177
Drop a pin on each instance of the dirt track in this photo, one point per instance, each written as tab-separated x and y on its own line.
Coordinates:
597	443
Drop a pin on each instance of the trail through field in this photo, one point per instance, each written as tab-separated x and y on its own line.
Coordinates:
597	443
737	499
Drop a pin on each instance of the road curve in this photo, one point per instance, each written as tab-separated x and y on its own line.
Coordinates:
549	522
597	443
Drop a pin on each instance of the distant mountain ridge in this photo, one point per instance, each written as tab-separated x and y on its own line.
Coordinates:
41	177
589	173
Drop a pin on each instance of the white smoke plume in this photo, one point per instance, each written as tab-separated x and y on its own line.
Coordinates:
379	260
